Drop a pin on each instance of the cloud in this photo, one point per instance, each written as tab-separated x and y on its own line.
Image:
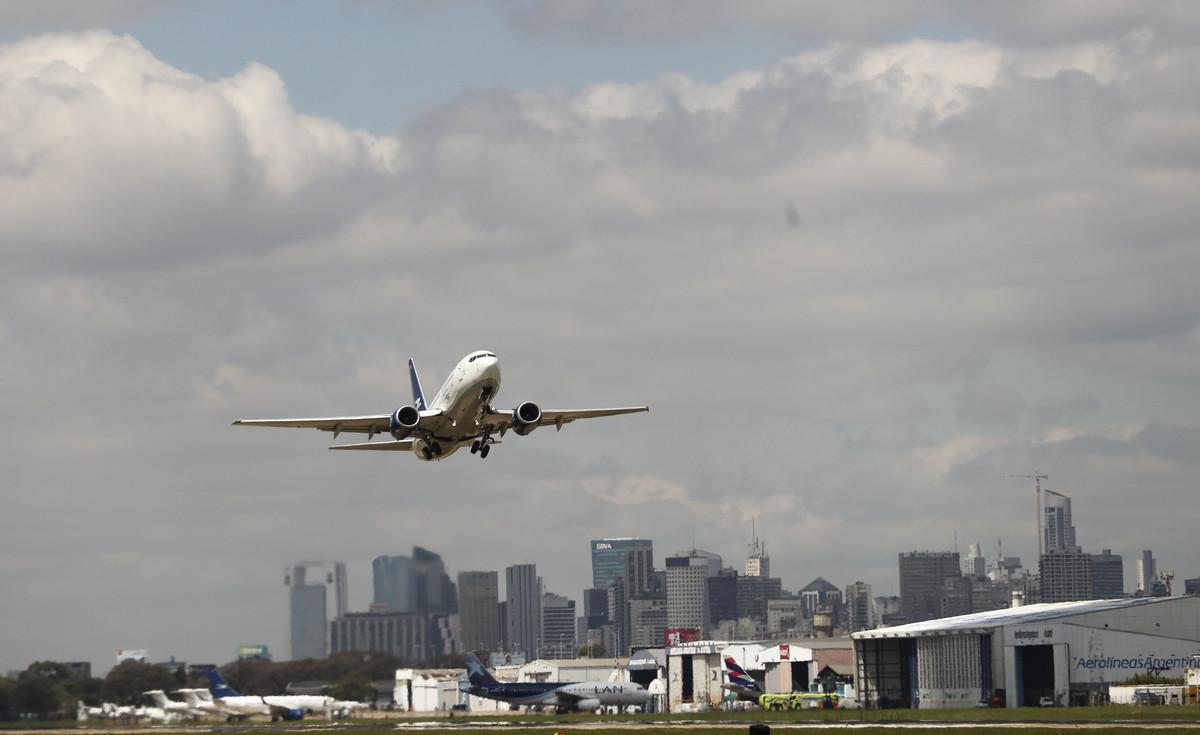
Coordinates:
993	273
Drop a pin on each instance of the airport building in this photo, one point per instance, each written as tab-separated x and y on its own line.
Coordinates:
1051	653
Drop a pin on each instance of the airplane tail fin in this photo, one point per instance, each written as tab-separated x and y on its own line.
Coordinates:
418	394
159	697
218	686
738	676
189	696
476	673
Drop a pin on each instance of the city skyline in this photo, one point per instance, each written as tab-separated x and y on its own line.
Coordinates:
864	267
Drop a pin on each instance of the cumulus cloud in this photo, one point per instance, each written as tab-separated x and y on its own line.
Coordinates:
992	272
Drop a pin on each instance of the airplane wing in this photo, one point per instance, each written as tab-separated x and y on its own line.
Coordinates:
398	446
369	425
558	417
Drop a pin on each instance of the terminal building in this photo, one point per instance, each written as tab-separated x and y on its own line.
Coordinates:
1052	653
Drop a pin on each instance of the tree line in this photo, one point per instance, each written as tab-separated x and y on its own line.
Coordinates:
47	690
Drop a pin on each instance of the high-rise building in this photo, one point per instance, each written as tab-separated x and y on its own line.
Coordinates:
413	637
618	615
1191	586
1108	575
975	565
722	596
1066	575
416	584
1147	573
647	622
860	607
558	626
478	601
610	560
523	592
1056	526
923	577
785	617
316	593
753	594
687	587
817	594
758	564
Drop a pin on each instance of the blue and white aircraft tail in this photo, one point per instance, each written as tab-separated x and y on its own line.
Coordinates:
219	687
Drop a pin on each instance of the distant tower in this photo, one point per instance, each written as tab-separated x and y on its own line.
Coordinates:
758	564
309	602
1146	573
1058	531
975	565
478	602
523	593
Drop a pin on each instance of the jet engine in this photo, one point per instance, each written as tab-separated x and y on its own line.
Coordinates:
525	418
404	421
588	705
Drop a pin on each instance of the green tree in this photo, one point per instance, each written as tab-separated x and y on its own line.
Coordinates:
8	702
356	686
127	681
36	695
596	650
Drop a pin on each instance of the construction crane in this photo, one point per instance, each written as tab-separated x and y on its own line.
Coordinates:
1037	478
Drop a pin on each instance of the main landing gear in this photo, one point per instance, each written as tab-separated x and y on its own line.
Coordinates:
481	447
432	450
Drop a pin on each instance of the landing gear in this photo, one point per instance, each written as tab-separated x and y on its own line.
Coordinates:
483	451
475	446
427	452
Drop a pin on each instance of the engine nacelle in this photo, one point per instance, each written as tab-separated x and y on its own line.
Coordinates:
588	705
526	417
404	421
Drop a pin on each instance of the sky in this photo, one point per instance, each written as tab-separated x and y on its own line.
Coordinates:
863	262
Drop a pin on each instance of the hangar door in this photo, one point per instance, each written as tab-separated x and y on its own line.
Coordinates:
885	671
1035	674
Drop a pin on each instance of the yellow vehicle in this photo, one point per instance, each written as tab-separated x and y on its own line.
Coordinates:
798	701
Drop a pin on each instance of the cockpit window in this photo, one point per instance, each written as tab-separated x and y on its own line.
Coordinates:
488	354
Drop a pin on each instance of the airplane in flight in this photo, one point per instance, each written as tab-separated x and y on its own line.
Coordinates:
741	683
459	415
563	696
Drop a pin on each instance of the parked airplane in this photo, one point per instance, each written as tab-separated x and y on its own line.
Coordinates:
202	701
243	705
583	695
459	415
741	683
170	706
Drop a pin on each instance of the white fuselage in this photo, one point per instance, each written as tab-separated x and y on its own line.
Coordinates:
462	399
607	693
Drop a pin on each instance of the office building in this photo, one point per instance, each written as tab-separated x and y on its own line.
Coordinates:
523	592
722	596
1058	531
647	622
975	565
860	607
1066	575
1108	575
316	594
478	602
688	573
753	594
416	584
785	618
413	637
1191	586
611	558
923	577
558	627
758	564
817	594
1147	573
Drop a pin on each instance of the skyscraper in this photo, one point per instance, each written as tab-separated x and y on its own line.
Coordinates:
687	588
1057	527
975	565
313	586
629	558
478	600
923	583
758	564
1108	576
1066	575
860	607
558	626
1146	573
416	584
523	593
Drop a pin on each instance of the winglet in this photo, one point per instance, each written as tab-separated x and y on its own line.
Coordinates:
418	394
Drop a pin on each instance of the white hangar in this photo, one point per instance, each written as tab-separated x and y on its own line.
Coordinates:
1066	653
